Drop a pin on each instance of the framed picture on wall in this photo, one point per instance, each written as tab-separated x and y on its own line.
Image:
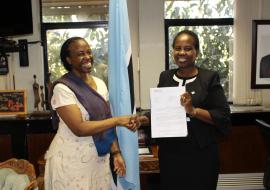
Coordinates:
260	69
13	102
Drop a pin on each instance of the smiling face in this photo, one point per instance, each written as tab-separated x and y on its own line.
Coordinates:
80	56
184	51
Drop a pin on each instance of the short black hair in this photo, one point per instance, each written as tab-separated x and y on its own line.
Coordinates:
64	53
192	34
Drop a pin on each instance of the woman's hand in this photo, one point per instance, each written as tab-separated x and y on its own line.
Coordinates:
143	120
131	122
119	164
198	113
186	102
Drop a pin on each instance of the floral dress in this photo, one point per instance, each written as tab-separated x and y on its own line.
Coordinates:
72	162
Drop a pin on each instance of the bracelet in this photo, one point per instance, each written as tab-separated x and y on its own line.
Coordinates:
116	152
193	113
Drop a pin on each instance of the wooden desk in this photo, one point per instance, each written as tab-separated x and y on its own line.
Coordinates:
149	165
149	173
243	151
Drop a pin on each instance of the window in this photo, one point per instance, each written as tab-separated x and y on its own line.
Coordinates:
213	22
62	19
95	33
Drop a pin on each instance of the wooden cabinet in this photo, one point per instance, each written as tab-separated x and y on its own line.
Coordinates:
26	138
244	150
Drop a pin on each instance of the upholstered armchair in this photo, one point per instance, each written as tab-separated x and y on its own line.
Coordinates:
17	174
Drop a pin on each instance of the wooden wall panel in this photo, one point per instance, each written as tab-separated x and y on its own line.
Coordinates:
37	147
5	147
244	151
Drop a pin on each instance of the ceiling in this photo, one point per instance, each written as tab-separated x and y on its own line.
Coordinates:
49	3
79	7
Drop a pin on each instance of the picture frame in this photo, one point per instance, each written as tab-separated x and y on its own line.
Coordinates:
13	102
260	69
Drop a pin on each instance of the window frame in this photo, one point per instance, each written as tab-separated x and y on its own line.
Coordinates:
63	25
190	22
193	22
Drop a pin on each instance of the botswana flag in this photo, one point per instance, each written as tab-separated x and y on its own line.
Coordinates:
120	82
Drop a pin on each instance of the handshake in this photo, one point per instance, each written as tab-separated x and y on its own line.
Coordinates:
132	122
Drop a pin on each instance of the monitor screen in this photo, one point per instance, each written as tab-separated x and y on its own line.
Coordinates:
15	18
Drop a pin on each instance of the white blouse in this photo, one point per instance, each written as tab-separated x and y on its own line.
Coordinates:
72	162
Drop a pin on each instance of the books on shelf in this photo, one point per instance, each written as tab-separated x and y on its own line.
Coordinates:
145	152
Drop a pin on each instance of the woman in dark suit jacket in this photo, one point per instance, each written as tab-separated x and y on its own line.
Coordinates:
192	162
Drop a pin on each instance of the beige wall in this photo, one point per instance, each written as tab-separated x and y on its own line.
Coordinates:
151	46
246	11
148	49
24	75
152	53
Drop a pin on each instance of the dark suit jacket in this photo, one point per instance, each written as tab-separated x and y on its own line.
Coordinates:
207	93
265	67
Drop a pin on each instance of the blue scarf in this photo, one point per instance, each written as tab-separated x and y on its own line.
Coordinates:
95	105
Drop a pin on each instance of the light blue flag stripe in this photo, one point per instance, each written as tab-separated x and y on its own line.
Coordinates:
119	57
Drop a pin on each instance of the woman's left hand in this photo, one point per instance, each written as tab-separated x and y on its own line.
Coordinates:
186	102
119	165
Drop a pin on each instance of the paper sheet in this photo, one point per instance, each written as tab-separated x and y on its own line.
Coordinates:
168	116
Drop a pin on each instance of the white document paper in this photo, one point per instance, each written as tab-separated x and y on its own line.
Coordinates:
168	116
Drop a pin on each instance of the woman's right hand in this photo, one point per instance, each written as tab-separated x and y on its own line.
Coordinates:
144	121
131	122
